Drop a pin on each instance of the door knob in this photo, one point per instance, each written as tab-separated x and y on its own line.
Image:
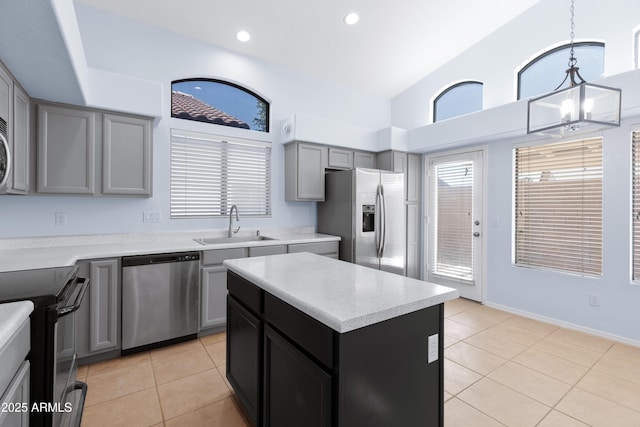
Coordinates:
476	234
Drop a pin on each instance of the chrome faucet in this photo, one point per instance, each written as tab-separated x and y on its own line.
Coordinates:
231	230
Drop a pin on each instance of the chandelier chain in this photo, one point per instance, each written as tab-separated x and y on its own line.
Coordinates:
572	59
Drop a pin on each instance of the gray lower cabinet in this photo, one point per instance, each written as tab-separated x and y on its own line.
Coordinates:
98	318
304	171
12	411
267	250
90	152
213	286
328	249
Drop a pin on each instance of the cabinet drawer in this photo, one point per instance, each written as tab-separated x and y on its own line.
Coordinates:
308	333
216	256
244	291
321	248
267	250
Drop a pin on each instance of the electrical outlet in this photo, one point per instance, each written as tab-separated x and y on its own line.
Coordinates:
594	300
60	218
151	216
432	348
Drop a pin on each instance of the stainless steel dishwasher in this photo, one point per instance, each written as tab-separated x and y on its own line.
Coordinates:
159	299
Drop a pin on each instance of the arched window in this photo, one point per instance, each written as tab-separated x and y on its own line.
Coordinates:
220	103
637	49
545	73
456	100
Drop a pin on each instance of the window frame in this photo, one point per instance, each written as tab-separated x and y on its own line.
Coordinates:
448	90
547	53
558	237
233	85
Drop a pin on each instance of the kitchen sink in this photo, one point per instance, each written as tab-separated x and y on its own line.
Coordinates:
220	240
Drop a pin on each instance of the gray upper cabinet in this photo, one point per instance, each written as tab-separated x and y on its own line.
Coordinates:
82	151
126	155
20	174
304	171
392	161
66	150
340	158
364	159
414	176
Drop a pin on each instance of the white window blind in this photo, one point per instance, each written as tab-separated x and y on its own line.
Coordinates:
453	202
636	204
210	173
558	206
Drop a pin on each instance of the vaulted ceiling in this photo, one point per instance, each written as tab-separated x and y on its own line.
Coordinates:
393	45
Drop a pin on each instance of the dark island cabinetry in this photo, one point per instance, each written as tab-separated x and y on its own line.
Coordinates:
289	369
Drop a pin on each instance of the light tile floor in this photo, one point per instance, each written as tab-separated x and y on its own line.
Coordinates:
500	370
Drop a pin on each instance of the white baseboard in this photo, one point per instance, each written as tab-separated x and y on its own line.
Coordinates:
564	324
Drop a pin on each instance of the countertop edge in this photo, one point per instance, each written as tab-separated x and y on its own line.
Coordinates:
12	316
59	256
343	326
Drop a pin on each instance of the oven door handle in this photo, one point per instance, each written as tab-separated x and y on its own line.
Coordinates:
80	287
79	385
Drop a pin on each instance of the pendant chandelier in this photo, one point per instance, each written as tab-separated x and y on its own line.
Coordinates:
580	108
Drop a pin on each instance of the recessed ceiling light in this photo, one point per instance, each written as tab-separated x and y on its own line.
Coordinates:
351	18
243	36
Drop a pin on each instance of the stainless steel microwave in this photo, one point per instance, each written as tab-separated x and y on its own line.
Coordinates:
5	155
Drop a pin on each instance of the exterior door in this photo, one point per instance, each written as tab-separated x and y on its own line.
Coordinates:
454	253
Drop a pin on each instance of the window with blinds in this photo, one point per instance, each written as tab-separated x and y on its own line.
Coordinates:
636	204
558	206
209	174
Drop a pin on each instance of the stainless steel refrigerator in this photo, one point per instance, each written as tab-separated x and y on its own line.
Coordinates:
365	207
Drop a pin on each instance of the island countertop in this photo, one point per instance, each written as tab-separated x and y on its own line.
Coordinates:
341	295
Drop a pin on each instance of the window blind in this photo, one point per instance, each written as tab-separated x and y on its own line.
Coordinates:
453	201
558	206
210	173
636	204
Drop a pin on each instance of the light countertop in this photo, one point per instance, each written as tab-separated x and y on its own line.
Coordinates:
26	254
12	316
341	295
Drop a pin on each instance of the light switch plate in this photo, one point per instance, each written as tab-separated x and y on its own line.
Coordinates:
432	348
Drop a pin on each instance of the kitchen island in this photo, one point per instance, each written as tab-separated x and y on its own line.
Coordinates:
315	341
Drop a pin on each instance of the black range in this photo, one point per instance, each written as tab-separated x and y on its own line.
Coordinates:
56	398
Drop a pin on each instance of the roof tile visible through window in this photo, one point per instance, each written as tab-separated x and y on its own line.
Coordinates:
188	107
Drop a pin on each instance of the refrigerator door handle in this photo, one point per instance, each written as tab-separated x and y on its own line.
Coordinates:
378	222
384	222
